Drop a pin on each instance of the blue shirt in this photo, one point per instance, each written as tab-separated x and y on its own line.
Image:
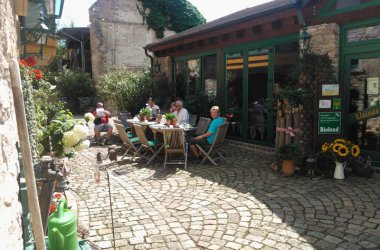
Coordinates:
213	128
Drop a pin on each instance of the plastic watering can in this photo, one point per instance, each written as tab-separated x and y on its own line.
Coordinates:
62	228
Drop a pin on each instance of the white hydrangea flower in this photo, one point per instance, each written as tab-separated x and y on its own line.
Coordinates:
81	131
70	139
89	117
67	150
83	145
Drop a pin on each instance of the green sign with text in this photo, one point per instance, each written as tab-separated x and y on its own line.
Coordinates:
329	122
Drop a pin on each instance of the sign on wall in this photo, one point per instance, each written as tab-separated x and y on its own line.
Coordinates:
329	122
330	89
365	114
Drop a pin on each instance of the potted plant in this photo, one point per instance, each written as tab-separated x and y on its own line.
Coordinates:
340	150
145	114
289	155
170	118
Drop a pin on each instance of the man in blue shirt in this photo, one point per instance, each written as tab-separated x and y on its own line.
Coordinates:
209	136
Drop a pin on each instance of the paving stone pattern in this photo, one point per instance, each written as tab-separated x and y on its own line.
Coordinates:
237	205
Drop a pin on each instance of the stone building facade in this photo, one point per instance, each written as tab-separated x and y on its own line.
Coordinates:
118	36
10	207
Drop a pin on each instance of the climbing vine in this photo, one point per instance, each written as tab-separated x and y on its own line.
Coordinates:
175	15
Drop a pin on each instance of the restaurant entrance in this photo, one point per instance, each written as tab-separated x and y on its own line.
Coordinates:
363	76
249	84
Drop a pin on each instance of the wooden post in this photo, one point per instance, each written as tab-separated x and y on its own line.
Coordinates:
26	155
288	123
282	134
296	124
278	123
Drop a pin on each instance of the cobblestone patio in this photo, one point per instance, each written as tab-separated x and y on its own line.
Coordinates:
239	205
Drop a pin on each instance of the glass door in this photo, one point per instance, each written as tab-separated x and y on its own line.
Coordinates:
363	75
259	90
249	84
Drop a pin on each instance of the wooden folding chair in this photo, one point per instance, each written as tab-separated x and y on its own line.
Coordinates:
208	151
131	144
150	146
126	128
174	144
202	125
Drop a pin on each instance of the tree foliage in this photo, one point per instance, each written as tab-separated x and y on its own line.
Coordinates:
175	15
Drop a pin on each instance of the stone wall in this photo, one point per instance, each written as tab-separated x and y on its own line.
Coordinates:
10	215
118	36
325	39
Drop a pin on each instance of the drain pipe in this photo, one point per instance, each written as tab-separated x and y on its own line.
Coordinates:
151	60
26	153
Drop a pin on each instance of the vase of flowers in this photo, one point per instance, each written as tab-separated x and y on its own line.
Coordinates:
170	118
341	150
145	114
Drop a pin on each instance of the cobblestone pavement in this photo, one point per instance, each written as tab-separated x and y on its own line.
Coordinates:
237	205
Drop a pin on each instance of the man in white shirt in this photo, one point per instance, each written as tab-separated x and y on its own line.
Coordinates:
182	113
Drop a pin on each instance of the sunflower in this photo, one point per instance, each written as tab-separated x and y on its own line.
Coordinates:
325	147
343	150
336	147
339	141
355	150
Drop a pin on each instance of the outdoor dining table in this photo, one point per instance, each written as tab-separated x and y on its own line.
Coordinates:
159	128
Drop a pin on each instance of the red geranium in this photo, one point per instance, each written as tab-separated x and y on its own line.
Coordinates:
37	73
23	62
30	61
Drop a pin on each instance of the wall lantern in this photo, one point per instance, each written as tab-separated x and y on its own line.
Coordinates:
305	38
38	35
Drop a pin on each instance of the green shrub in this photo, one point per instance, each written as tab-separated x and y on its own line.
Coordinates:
76	88
127	90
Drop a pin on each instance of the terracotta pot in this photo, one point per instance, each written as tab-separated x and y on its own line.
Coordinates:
174	122
169	122
288	167
141	118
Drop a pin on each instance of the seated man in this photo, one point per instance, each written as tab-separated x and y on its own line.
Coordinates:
209	136
181	113
102	123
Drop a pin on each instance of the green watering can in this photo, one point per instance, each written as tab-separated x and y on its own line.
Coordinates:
62	228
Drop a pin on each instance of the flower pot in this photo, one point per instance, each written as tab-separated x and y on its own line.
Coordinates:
169	122
339	170
174	122
288	167
141	118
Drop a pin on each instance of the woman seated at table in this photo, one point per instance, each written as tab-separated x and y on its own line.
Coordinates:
209	136
152	106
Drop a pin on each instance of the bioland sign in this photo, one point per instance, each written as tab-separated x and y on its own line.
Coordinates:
329	122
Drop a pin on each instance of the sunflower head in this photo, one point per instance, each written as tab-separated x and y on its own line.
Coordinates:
343	151
339	141
355	151
336	147
325	147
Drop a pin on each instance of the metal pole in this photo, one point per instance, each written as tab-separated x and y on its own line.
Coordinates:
26	155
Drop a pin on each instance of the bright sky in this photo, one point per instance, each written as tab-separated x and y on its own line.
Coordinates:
76	11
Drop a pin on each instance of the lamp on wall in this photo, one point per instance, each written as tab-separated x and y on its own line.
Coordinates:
305	38
37	35
157	67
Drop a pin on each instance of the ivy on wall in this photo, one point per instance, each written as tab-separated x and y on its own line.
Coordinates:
175	15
